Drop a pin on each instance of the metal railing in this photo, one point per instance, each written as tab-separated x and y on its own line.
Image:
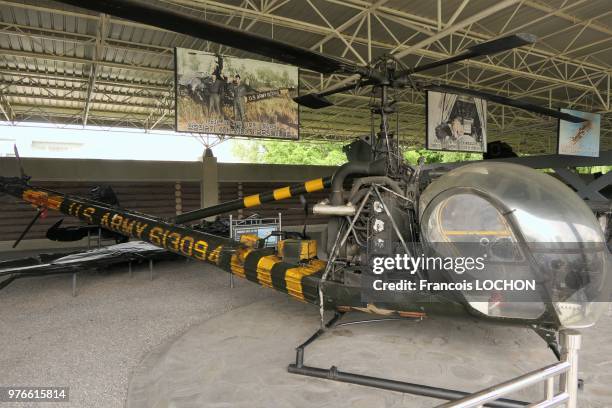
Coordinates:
566	370
262	227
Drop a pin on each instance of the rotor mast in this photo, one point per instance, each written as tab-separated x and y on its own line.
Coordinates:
383	144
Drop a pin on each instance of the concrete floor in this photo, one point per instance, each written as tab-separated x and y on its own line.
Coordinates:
93	342
187	339
239	359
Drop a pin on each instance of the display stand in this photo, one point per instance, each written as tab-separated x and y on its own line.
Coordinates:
566	369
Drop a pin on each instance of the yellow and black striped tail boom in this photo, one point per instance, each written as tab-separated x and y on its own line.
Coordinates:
262	266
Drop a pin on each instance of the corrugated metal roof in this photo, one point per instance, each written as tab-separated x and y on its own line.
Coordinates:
47	51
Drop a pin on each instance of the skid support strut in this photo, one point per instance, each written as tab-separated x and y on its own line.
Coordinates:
386	384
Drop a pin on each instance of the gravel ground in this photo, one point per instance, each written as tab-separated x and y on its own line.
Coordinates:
239	359
92	342
119	325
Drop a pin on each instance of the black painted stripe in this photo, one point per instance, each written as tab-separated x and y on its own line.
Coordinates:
266	197
278	273
251	261
225	259
297	190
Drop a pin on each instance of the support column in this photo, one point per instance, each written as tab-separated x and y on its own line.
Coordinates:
178	198
209	186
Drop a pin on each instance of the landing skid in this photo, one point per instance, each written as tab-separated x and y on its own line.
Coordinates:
566	369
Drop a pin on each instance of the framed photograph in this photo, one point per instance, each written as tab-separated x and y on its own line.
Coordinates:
579	139
222	95
456	123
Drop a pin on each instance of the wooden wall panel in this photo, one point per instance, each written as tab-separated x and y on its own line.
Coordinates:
191	195
155	198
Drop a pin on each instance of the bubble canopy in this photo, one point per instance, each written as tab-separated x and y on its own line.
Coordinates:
535	228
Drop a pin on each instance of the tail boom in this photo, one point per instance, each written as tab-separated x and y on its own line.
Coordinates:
261	266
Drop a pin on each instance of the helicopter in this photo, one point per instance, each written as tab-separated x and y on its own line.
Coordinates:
527	224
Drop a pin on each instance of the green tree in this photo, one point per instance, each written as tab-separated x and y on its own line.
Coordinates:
289	152
325	154
594	169
431	156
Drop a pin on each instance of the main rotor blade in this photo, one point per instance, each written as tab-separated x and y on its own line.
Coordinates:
530	107
180	22
317	100
478	50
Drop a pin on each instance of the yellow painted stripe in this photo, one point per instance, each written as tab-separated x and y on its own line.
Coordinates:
237	269
252	201
55	202
264	268
237	262
281	193
34	197
294	276
314	185
42	199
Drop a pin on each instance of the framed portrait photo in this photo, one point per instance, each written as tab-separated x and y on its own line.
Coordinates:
579	139
456	123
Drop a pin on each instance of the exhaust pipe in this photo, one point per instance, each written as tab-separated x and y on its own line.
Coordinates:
374	168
